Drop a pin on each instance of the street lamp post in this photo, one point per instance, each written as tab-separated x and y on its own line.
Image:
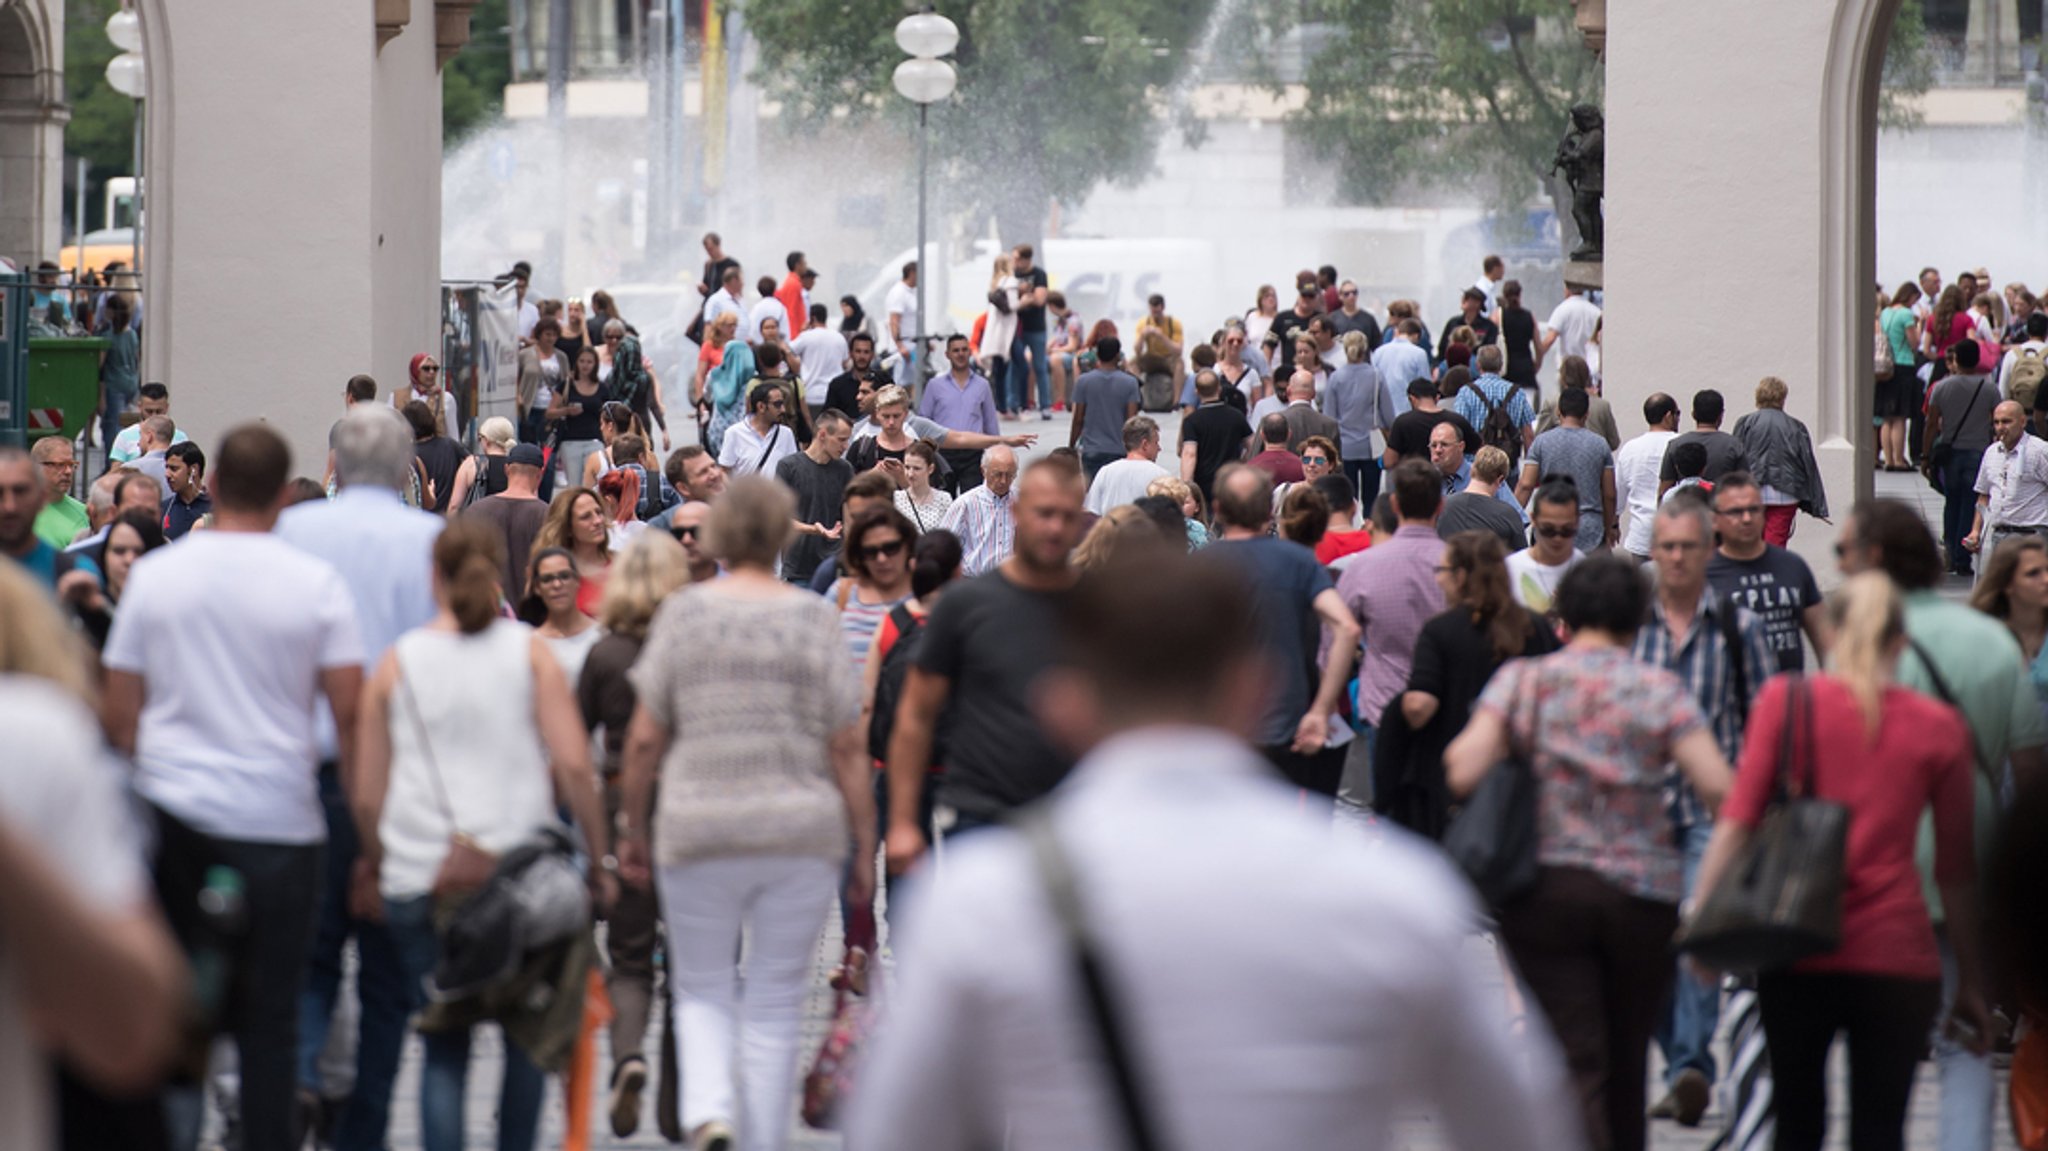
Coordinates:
924	80
128	75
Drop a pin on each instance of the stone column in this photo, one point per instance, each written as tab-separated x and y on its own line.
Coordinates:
1991	45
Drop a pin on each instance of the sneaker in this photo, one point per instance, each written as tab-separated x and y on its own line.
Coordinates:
1690	1094
628	1078
713	1136
1045	415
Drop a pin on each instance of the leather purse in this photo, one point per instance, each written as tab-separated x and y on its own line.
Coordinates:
1780	900
1494	838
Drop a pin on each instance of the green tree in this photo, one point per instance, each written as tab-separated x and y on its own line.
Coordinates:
473	82
102	127
1055	96
1466	94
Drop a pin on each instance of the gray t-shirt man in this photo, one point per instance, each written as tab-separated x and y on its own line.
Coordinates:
820	497
1107	394
1966	403
1582	454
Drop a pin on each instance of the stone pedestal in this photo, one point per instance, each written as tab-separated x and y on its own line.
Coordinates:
1584	274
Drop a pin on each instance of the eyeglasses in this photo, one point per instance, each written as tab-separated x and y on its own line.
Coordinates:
1555	532
884	550
548	579
685	531
1741	513
1347	295
613	339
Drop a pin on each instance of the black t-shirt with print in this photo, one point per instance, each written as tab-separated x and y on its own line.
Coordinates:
1030	318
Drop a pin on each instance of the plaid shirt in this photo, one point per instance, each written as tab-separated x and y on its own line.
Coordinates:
1702	661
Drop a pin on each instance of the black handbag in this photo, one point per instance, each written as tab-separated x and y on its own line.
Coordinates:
1780	900
1494	837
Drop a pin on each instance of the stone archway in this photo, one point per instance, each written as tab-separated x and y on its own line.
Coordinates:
32	119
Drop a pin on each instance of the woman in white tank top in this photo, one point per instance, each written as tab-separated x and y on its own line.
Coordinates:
458	732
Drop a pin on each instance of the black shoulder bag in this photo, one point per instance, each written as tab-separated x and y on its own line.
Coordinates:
1780	900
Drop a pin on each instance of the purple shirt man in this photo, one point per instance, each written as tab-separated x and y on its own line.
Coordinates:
960	399
1391	590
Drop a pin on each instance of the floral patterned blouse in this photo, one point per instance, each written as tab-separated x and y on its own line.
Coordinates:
1598	726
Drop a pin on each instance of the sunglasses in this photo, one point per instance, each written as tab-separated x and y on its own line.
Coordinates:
1554	532
882	550
429	369
552	578
1317	460
687	531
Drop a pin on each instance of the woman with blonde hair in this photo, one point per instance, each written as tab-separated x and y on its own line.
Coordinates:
1887	754
494	438
1000	330
723	372
1113	536
748	712
652	567
468	733
575	524
1189	499
1265	309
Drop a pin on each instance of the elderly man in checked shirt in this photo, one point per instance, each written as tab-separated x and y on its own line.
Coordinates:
985	518
1688	635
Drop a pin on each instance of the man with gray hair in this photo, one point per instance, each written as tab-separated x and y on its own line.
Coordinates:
384	552
1720	651
1126	480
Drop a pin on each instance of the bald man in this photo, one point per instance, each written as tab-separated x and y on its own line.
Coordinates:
2012	483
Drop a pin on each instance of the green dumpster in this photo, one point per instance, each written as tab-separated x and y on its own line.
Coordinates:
63	385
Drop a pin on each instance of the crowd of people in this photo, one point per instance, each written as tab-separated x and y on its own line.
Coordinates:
1164	748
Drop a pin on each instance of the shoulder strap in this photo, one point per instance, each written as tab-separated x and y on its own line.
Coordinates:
844	593
1055	872
1948	697
774	434
1738	664
1788	744
419	731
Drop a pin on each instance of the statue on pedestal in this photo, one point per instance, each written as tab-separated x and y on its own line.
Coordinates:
1581	156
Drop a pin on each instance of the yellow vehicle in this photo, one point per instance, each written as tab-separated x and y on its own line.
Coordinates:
106	246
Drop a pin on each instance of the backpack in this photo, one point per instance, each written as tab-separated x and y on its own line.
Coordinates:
889	687
1497	428
2028	370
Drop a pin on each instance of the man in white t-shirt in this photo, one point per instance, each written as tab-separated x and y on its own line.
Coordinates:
153	400
821	354
87	971
727	298
764	309
1570	326
1125	480
223	645
756	444
901	310
1492	271
1535	571
1636	469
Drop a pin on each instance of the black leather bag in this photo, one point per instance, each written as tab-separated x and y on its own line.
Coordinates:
1493	838
1780	901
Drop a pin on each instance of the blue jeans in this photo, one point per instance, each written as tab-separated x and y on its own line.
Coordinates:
379	984
1365	480
1033	343
1968	1083
115	398
1959	505
1686	1033
443	1077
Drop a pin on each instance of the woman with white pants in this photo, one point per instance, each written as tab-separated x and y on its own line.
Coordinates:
750	710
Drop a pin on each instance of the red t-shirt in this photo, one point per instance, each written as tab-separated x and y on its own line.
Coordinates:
1336	545
1919	757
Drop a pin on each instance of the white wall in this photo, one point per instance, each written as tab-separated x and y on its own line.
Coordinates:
405	204
273	168
1719	269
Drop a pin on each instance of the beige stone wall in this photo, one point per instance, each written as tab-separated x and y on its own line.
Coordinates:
1739	175
293	208
32	118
